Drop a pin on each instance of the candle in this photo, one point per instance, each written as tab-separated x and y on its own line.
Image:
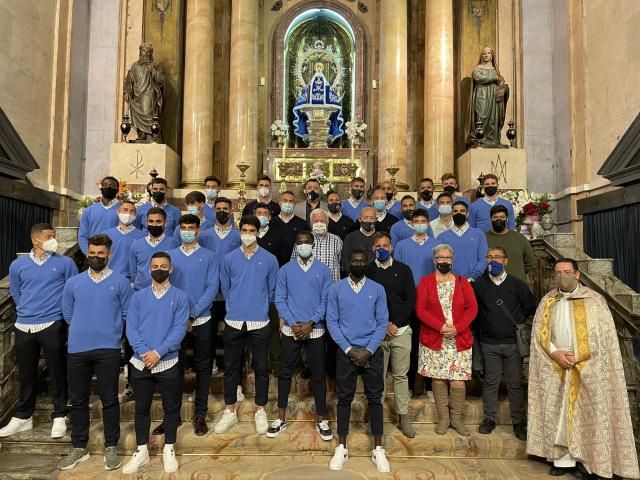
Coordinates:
284	148
353	152
244	149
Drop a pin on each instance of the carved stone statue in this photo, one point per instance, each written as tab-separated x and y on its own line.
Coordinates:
144	92
488	103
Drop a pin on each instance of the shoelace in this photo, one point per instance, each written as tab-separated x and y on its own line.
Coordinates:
276	423
324	425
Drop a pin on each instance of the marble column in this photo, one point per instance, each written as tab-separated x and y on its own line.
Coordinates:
438	90
243	91
392	133
197	136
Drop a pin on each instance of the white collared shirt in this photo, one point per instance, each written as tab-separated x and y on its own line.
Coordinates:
500	278
339	216
222	232
159	293
189	252
263	231
460	230
491	202
419	241
110	204
356	287
384	266
102	275
380	215
305	266
126	229
250	254
154	242
353	202
39	260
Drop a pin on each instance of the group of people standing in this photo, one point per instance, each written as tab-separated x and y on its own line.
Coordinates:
345	288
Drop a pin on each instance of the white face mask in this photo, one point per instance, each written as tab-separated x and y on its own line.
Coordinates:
248	239
211	193
50	245
263	191
319	228
126	218
304	250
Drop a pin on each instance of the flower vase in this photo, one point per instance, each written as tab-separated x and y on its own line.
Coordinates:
536	230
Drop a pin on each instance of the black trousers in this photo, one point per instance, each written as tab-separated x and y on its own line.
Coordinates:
372	377
170	386
53	340
128	353
499	359
218	312
274	340
331	357
290	353
105	363
234	342
200	340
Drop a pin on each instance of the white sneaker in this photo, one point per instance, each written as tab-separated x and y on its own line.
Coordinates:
228	420
169	459
262	424
239	394
59	428
140	458
214	368
339	458
379	459
16	425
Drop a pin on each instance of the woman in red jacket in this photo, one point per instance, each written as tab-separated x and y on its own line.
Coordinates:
446	306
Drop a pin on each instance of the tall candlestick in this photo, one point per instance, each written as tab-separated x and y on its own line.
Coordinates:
353	152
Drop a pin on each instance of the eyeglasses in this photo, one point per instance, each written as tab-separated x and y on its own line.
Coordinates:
564	274
495	257
444	259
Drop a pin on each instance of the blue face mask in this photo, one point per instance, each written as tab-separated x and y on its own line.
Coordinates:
420	228
495	268
444	209
211	193
193	210
379	205
382	254
264	221
287	208
187	237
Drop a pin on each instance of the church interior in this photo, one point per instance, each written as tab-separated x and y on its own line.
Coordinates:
543	94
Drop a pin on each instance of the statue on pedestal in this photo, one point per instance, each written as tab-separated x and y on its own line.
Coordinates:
144	92
488	103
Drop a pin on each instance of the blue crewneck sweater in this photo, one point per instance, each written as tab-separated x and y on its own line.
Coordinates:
432	210
37	289
469	252
197	275
480	218
395	209
121	249
302	296
210	240
95	312
248	285
418	257
357	319
401	230
353	213
173	216
157	324
140	257
96	219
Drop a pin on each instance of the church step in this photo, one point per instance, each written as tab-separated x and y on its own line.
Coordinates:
300	438
421	409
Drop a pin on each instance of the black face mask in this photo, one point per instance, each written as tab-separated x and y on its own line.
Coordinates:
407	214
367	226
490	191
443	268
155	231
158	197
426	195
222	217
498	225
160	275
449	189
459	219
96	264
357	270
357	194
334	207
312	196
389	196
109	192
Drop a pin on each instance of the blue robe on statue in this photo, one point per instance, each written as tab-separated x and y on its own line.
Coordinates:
318	92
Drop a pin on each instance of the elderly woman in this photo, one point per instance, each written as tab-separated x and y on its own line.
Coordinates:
446	306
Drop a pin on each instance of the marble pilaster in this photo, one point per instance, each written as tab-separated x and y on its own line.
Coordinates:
392	123
197	139
439	90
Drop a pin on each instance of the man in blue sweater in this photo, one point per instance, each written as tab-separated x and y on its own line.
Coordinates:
357	318
195	272
100	216
195	202
248	283
36	282
212	186
403	229
159	188
426	200
470	244
450	186
143	248
352	206
156	325
95	304
301	299
480	210
393	206
122	237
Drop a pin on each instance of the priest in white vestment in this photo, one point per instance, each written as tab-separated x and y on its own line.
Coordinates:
578	406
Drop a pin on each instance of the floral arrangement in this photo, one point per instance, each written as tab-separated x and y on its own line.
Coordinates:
528	206
317	174
279	128
355	130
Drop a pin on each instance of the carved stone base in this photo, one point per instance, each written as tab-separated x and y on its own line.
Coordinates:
509	165
132	163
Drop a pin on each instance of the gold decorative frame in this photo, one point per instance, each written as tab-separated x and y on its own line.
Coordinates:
336	170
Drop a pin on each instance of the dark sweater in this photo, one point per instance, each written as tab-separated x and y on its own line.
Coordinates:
397	281
382	226
492	325
355	240
275	242
290	229
249	208
342	227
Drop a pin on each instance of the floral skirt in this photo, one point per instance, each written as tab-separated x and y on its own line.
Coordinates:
445	364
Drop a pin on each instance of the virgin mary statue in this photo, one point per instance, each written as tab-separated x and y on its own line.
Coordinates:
488	103
318	92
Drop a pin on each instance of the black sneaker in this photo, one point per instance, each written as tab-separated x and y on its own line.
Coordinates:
520	430
324	430
487	426
276	427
